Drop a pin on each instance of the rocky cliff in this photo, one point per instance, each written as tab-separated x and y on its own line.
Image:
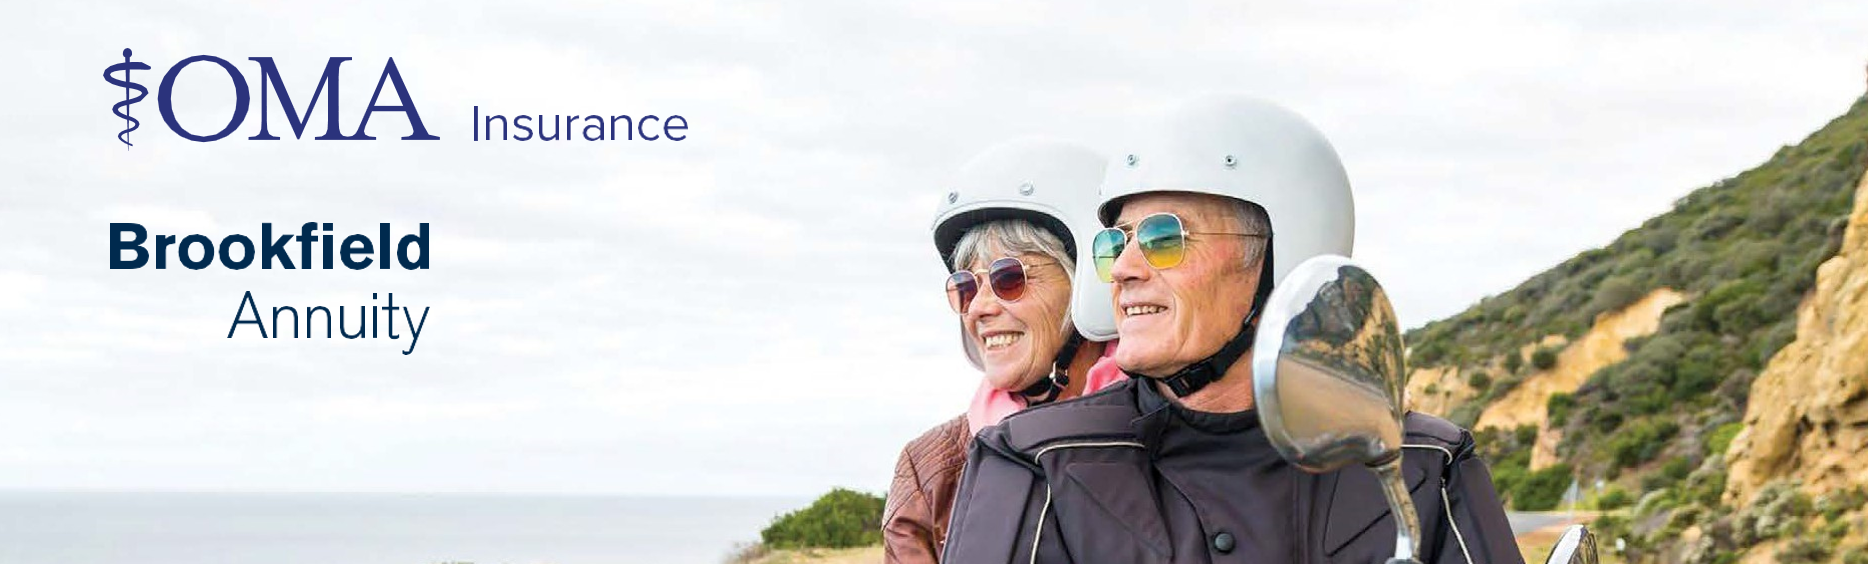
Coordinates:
1807	421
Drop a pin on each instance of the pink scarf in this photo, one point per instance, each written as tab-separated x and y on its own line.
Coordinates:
991	405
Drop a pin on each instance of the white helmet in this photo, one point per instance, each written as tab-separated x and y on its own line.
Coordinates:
1247	149
1050	183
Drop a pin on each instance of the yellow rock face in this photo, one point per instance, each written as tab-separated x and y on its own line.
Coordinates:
1600	347
1437	390
1807	419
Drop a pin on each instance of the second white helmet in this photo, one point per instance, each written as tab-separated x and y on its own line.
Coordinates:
1054	185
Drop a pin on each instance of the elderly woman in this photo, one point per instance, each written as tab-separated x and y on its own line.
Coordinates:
1009	233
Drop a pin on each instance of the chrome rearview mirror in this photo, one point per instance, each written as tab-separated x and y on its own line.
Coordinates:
1328	372
1576	546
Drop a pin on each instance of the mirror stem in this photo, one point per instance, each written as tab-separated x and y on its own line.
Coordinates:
1407	523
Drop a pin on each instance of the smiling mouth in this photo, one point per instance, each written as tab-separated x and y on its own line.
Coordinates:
1001	340
1139	310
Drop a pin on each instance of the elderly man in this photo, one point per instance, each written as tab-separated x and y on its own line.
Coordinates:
1172	466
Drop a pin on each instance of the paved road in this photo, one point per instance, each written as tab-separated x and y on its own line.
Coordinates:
1522	523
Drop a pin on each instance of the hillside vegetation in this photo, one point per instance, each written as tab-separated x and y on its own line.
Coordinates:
1744	254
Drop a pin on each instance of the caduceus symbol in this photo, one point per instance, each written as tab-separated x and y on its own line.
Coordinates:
122	109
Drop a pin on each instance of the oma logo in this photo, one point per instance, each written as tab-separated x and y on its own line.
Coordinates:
269	82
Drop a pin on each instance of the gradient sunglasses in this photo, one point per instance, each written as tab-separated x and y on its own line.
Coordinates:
1161	238
1006	276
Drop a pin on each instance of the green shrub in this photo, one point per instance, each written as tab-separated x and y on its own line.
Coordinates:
1544	358
1655	482
1777	510
1525	436
1542	490
1676	468
1509	469
1720	439
1655	503
1775	338
1651	401
1640	442
1467	414
1604	422
1834	505
1479	381
1684	518
1558	407
1805	549
840	519
1705	487
1513	362
1730	308
1611	527
1612	499
1617	292
1836	529
1701	369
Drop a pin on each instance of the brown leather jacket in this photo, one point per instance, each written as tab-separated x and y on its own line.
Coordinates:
914	519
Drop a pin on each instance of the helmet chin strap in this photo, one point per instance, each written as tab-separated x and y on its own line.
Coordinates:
1210	369
1046	390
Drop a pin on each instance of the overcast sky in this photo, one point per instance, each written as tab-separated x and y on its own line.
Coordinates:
756	310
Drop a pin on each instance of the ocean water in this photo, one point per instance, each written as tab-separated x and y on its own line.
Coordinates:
243	528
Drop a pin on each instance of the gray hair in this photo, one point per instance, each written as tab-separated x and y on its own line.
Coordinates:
1252	218
1011	237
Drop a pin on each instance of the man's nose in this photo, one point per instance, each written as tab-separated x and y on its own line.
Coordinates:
1130	266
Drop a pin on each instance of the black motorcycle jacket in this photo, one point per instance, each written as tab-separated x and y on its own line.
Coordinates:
1127	476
